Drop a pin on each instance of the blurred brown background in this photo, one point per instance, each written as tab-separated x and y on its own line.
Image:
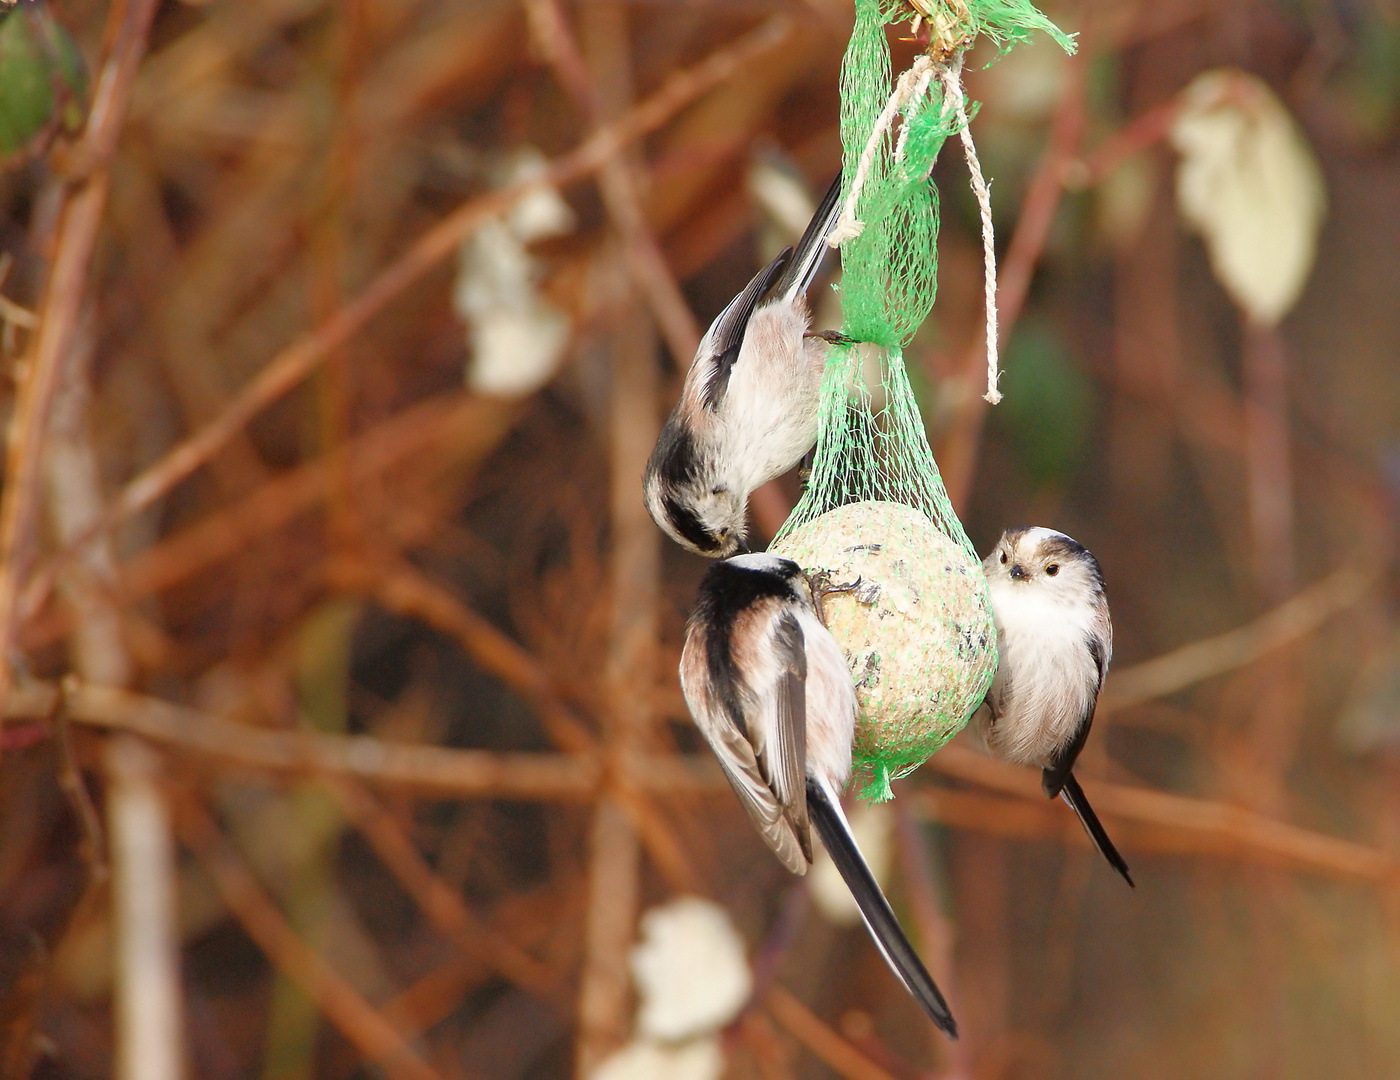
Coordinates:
373	676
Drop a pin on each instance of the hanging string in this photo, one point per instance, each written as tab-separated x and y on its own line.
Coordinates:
848	226
951	76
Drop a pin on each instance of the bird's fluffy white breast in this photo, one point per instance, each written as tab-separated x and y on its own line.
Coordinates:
769	414
1047	677
831	704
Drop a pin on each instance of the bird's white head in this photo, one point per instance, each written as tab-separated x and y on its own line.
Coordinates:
1046	562
695	506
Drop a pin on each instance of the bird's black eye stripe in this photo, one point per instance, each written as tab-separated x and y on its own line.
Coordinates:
1003	558
684	520
1053	569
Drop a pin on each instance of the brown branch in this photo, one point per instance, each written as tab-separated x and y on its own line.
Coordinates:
434	996
829	1047
1187	825
427	768
435	769
634	570
289	367
533	916
1293	619
74	239
1133	138
427	427
442	904
438	423
402	589
362	1026
620	182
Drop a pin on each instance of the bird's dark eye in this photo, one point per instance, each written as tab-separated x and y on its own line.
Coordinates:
1003	558
1053	569
717	491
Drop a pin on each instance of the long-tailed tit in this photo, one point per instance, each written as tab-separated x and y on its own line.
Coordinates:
748	409
770	691
1055	642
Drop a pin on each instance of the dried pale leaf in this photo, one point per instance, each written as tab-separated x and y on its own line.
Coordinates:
1370	720
515	351
699	1059
690	969
1249	183
517	338
541	213
873	827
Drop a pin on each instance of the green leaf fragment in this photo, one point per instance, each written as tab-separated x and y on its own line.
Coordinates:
43	80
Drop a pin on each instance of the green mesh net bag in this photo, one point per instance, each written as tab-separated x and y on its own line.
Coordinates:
908	601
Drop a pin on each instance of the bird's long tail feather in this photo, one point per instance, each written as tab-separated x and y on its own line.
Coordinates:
825	812
808	254
1075	799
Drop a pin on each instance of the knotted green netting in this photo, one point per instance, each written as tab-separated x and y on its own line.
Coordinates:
909	602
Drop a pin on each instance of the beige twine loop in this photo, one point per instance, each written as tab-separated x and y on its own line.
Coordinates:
908	92
952	82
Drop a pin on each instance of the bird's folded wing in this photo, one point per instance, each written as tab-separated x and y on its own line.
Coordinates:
726	334
762	749
736	758
785	759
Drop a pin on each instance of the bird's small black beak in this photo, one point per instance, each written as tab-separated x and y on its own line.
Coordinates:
1017	574
743	547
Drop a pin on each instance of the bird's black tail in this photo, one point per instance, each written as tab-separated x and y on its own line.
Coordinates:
879	917
811	249
1075	799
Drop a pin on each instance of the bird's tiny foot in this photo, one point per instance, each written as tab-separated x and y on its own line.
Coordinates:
831	337
822	587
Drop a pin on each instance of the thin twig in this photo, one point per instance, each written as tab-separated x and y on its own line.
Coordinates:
358	1021
1268	461
620	182
1185	825
74	240
936	933
1184	667
11	312
442	904
633	592
144	915
435	769
403	589
537	914
294	363
70	779
829	1047
1133	138
447	427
